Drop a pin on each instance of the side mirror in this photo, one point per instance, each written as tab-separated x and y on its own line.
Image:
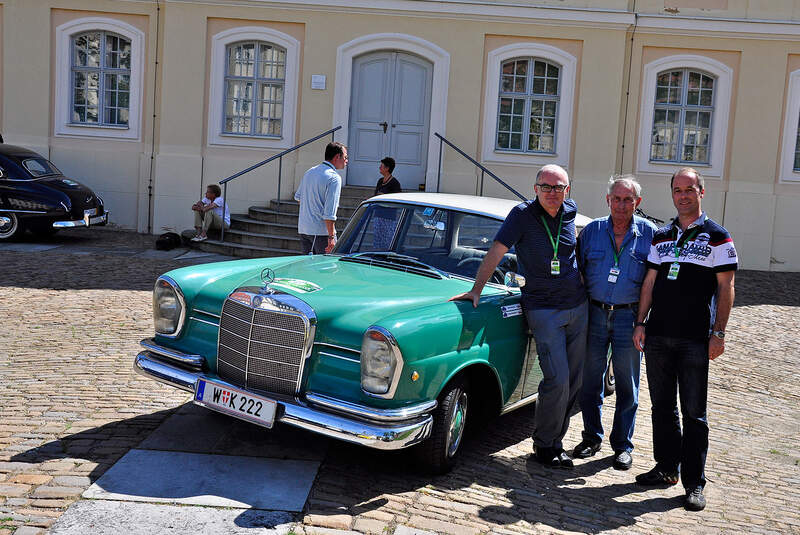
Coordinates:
514	280
430	224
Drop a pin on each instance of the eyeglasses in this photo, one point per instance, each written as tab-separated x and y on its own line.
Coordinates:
547	188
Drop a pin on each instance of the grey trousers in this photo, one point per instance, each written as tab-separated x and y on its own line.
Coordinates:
207	220
561	344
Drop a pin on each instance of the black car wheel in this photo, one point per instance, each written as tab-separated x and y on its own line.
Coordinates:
439	452
9	225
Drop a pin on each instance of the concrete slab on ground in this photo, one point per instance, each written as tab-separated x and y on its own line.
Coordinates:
194	429
211	480
128	518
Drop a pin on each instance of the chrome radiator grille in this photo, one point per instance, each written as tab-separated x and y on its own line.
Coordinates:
261	349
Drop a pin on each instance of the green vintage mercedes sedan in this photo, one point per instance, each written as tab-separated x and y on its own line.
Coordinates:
362	344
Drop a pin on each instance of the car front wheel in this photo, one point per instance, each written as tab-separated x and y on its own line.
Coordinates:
439	452
9	225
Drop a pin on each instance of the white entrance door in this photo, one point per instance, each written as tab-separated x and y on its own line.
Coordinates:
390	109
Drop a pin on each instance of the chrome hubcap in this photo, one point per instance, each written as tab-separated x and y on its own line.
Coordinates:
8	223
457	423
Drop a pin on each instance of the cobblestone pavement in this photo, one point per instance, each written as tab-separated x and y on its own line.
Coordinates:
71	406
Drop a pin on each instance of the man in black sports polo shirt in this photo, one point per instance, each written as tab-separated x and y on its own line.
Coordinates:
554	299
688	291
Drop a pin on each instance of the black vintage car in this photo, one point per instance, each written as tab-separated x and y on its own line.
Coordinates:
35	196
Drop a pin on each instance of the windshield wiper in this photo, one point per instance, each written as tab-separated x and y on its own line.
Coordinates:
397	259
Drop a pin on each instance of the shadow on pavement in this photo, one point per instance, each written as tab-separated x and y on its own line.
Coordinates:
554	497
767	288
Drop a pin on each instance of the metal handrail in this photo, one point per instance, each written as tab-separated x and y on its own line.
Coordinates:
279	157
483	169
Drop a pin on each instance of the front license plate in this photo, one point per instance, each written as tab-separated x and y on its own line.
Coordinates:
243	405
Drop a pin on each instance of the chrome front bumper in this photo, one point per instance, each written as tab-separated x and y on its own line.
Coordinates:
375	428
88	220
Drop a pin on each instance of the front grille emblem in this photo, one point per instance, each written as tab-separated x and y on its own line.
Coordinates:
267	277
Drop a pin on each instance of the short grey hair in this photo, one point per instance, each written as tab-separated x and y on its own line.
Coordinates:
629	181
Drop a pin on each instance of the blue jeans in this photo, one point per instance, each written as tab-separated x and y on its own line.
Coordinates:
679	365
615	328
561	344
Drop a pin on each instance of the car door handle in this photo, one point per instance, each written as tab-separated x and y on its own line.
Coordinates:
385	125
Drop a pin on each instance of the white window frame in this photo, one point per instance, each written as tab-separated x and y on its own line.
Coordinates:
216	109
790	126
719	119
568	64
63	90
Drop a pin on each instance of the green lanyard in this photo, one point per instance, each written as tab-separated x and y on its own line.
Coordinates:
614	248
688	237
553	242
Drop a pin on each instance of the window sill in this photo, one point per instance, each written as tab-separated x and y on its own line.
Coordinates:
97	126
523	158
231	135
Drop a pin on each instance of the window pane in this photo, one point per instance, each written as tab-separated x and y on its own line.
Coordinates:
551	87
519	85
547	144
93	49
123	116
539	68
704	119
519	106
537	106
688	154
241	59
694	80
521	68
91	115
548	126
508	67
516	141
505	105
701	154
550	109
504	123
693	97
552	71
691	118
79	114
516	124
538	86
111	116
661	95
706	98
534	143
535	125
502	140
797	161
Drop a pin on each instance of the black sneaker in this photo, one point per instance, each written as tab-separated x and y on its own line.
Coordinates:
622	460
695	501
546	456
564	460
657	477
552	457
586	448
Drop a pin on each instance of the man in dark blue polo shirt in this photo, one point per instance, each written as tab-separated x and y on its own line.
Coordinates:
688	292
612	252
543	235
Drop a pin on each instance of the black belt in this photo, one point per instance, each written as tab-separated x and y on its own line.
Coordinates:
606	306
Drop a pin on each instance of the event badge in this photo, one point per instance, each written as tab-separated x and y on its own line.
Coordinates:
613	274
673	271
555	267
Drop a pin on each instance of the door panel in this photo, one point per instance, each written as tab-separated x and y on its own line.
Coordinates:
389	116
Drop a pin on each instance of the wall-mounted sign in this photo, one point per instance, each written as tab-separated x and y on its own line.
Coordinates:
318	81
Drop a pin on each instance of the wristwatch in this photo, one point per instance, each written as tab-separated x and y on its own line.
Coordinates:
719	334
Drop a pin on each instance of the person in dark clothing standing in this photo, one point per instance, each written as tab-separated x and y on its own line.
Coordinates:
387	183
688	293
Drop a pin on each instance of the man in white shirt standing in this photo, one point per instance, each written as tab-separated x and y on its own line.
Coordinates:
210	212
318	195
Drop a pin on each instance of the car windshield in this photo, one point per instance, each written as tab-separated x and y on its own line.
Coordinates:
40	167
449	240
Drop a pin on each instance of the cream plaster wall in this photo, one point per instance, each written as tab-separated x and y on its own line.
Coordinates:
117	170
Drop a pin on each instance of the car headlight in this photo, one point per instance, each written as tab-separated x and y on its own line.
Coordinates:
169	307
381	363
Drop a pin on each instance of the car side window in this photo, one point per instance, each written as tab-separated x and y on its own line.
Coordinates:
376	230
427	229
40	167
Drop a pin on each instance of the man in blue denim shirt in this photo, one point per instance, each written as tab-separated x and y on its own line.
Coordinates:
612	255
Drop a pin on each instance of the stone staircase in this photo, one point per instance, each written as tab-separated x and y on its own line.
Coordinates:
266	231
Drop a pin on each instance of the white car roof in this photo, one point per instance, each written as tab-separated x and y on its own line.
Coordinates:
489	206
